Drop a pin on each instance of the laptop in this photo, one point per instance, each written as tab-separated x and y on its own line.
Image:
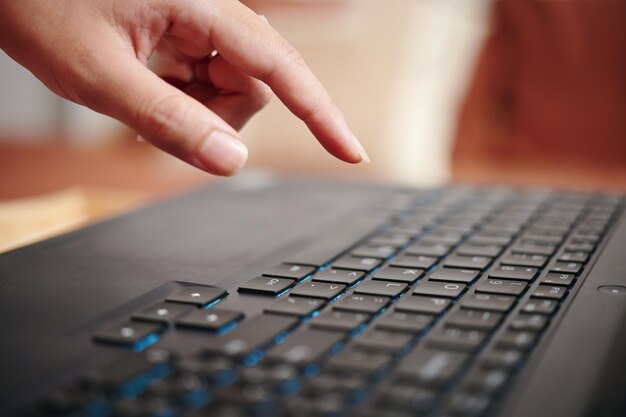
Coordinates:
284	297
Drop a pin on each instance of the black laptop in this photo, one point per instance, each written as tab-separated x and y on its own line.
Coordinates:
280	297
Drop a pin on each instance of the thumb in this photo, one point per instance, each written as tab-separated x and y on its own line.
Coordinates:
170	119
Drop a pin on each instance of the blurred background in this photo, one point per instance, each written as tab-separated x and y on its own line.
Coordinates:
500	91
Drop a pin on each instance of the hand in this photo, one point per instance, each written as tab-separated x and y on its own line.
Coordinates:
94	52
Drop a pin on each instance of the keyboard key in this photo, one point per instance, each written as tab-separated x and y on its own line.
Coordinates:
467	405
556	278
427	305
516	340
550	292
407	229
519	259
376	340
534	305
533	249
127	333
360	303
250	336
343	384
305	346
474	319
537	237
469	249
529	322
338	276
163	312
581	257
399	321
450	338
483	381
450	238
343	321
501	286
384	288
266	285
358	361
576	238
413	262
580	247
401	400
197	295
465	276
488	302
439	289
316	289
213	319
435	249
216	370
356	264
488	239
467	262
431	368
513	272
297	272
296	306
567	267
406	275
502	359
374	251
396	240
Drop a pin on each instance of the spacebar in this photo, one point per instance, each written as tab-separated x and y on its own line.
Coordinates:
250	336
333	245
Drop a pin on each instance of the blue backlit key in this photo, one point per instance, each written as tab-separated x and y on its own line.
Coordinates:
127	333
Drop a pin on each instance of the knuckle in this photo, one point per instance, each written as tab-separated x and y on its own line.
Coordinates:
287	56
261	96
291	55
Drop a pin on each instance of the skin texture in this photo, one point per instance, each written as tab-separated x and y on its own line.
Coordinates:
94	53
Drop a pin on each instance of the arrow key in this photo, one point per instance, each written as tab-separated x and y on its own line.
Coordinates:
127	333
197	295
295	306
213	319
162	312
315	289
338	276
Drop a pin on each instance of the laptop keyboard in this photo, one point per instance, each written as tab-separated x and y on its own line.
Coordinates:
433	314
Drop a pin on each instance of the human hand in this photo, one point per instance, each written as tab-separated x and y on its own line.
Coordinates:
94	52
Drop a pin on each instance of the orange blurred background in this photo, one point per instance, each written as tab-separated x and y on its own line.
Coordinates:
522	92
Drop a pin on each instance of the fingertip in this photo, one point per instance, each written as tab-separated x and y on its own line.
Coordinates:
364	157
222	154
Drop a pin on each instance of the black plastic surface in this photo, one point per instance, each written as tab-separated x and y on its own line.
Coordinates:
56	294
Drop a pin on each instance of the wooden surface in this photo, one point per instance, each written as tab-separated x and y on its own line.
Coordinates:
49	189
28	170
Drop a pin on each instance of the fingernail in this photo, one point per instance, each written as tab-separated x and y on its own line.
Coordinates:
223	154
365	158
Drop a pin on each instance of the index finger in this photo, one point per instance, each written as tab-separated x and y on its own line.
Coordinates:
249	43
